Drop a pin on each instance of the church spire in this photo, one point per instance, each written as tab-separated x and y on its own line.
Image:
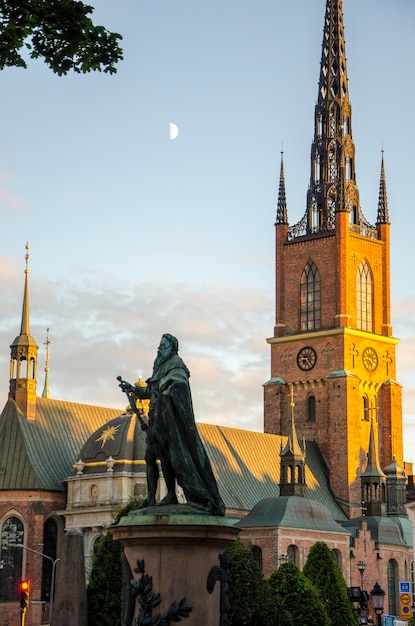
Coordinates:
383	212
292	474
373	480
23	359
282	202
332	187
332	150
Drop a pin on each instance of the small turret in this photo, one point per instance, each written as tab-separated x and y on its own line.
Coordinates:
396	489
23	359
292	476
373	481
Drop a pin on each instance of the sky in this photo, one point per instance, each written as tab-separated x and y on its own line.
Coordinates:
133	234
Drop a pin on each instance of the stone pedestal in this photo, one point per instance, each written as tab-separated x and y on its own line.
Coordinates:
179	548
69	606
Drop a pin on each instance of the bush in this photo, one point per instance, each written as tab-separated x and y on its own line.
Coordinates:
296	594
322	569
105	581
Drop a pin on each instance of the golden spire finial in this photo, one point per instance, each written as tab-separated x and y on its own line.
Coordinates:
47	342
27	257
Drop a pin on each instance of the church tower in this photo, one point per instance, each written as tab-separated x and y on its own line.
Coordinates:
332	338
23	359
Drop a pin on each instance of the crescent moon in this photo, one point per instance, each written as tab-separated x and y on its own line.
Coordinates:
173	131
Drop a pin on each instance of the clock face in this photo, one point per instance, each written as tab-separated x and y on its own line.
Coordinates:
306	358
370	359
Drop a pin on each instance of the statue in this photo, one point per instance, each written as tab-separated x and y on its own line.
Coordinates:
172	436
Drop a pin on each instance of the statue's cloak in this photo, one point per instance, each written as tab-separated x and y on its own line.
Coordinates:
173	431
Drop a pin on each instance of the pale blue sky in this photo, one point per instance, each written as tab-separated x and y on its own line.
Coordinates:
133	234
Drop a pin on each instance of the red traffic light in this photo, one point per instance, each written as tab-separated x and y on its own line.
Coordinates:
24	587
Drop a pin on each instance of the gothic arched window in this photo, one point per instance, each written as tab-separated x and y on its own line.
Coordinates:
50	542
12	533
364	297
338	556
310	297
392	570
257	556
293	554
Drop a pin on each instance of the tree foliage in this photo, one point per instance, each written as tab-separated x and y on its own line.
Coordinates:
322	569
59	31
105	582
298	596
251	601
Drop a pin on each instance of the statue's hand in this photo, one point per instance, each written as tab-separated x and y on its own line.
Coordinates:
126	387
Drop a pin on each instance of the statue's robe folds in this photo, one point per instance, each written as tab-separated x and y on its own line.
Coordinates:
173	432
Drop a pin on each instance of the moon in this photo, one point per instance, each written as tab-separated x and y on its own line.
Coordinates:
173	131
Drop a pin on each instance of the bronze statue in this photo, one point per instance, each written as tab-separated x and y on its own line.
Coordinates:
172	435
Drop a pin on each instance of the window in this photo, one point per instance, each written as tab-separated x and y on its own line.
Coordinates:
12	533
392	583
293	554
364	291
257	556
310	297
338	556
50	540
366	415
311	408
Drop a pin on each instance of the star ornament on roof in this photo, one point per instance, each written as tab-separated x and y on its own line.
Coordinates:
107	435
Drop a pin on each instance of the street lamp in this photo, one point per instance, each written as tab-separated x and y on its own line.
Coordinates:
378	598
52	583
361	566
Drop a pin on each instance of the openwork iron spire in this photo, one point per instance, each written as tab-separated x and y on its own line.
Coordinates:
383	212
282	201
332	186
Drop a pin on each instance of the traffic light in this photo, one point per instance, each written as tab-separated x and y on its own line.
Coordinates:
24	587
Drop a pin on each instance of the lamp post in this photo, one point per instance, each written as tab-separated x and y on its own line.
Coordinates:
52	583
361	566
378	599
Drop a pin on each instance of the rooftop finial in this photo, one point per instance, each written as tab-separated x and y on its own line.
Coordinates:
27	256
47	342
25	325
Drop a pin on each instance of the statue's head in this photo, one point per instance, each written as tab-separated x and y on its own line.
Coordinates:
168	345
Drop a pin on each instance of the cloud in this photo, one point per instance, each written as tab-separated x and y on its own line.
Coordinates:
102	327
9	200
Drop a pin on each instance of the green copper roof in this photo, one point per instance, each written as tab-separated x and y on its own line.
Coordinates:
39	454
291	512
247	467
392	530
